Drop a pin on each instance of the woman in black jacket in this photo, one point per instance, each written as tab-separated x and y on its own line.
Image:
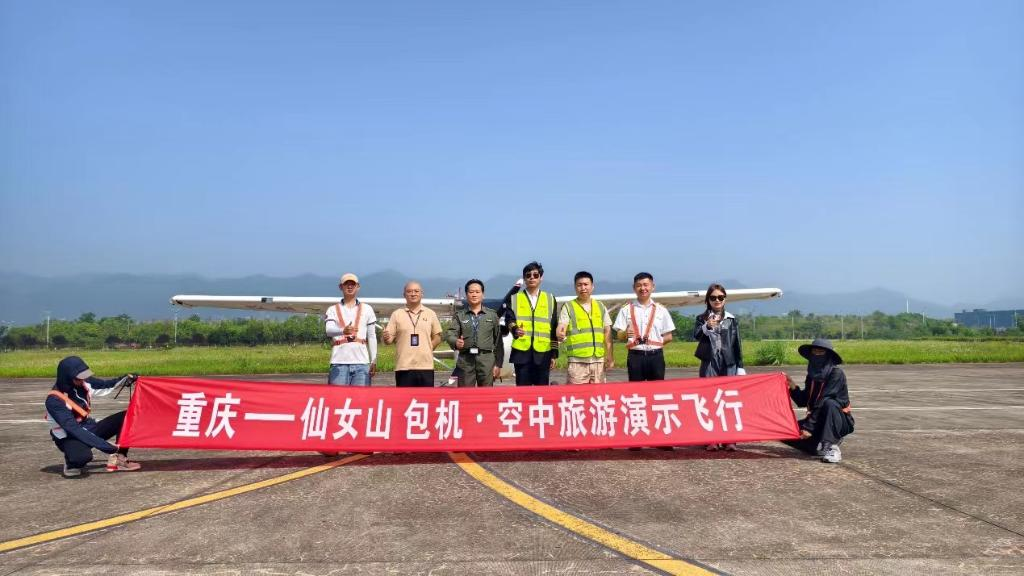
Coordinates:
717	333
72	427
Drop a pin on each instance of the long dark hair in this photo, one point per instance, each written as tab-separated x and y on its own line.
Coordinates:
707	297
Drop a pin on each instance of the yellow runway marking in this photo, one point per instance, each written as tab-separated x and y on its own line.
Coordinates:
590	531
181	505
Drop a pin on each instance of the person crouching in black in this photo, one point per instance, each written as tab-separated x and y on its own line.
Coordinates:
827	399
73	430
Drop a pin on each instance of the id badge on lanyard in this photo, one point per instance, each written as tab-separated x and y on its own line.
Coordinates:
476	328
414	338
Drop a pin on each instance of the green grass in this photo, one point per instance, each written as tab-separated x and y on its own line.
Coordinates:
784	352
311	358
277	359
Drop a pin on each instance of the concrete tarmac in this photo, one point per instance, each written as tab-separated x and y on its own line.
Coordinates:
932	482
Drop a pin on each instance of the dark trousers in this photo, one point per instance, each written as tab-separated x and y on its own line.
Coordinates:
642	365
77	453
530	374
414	378
710	369
830	423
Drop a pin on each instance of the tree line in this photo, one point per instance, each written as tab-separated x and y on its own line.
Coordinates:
875	326
122	331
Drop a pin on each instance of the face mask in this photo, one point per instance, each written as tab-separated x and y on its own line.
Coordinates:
818	367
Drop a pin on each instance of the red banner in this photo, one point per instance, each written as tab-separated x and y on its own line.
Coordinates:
235	415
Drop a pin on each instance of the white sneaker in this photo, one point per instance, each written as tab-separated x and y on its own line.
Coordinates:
71	472
832	455
820	450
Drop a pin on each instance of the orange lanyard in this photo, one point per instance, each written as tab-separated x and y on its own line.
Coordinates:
650	321
359	314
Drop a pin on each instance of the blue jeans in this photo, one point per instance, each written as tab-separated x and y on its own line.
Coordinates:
349	375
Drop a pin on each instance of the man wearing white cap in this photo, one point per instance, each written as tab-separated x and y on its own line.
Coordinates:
350	325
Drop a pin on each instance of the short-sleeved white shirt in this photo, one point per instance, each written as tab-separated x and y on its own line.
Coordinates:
351	352
662	322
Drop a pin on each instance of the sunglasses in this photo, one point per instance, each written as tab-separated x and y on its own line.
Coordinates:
532	275
717	298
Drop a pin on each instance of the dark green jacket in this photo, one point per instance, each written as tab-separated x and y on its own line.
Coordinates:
487	337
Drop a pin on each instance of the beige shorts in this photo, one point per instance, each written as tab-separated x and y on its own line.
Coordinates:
586	372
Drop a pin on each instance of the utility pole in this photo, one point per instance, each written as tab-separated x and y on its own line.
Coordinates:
47	328
175	328
842	327
793	325
861	327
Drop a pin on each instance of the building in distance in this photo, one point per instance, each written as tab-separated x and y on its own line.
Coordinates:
997	320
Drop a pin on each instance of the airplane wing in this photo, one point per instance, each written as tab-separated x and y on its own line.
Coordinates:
444	307
303	304
682	298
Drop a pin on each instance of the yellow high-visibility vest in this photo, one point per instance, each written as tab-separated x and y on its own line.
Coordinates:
536	322
586	331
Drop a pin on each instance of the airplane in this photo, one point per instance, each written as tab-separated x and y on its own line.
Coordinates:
446	307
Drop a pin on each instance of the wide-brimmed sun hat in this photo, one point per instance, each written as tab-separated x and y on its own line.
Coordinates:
822	343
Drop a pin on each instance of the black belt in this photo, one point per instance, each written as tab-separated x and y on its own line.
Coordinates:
647	352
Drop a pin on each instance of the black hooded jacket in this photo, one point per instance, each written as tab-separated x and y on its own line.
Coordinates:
815	392
64	417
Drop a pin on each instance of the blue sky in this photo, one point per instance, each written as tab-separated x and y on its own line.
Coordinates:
817	147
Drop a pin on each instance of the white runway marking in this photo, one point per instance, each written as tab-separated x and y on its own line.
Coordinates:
927	408
964	389
954	431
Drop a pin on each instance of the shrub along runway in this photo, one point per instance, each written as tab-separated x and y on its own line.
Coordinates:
931	482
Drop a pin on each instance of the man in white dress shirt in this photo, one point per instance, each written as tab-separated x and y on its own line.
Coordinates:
646	327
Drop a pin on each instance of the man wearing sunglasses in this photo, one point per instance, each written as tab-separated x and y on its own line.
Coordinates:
533	325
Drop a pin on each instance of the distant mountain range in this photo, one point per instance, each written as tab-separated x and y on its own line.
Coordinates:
26	299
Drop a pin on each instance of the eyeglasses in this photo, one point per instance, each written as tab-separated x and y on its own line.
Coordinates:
720	298
532	275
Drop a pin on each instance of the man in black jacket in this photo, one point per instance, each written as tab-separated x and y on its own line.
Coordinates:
827	399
